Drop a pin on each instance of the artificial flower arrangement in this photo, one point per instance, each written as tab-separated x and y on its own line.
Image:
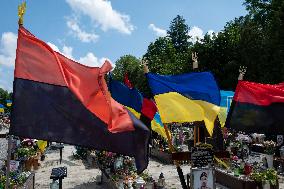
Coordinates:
269	147
25	152
268	175
121	169
16	179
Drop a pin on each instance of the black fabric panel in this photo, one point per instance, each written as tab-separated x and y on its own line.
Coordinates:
252	118
53	113
145	120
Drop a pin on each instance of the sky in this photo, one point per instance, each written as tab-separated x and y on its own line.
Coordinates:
90	31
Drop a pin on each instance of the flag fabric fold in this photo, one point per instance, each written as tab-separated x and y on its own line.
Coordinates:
226	100
157	126
58	99
186	97
129	97
257	108
126	81
144	109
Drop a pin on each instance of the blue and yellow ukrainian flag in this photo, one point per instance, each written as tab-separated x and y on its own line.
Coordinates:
226	100
1	108
186	97
157	125
8	103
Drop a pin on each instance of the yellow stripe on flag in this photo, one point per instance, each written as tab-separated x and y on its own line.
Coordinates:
173	107
137	114
222	116
156	127
9	104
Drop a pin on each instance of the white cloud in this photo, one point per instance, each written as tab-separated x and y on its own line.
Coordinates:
159	32
89	59
80	34
196	34
54	47
211	33
67	51
8	45
7	77
102	13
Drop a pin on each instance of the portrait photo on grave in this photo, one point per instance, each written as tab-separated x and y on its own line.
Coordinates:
203	178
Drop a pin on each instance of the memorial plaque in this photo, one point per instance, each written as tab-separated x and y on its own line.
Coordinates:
201	157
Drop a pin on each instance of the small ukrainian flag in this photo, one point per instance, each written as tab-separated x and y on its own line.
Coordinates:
1	108
8	103
157	126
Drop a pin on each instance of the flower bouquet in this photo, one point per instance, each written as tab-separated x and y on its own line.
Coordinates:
268	176
269	147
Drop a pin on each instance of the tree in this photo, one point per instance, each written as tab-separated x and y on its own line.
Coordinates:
178	33
131	65
5	95
172	54
161	56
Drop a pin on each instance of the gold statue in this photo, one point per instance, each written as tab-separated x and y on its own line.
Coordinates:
195	60
21	12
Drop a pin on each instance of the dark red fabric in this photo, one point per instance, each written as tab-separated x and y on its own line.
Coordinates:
259	94
127	82
149	108
36	61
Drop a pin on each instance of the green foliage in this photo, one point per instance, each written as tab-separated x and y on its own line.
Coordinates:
81	153
269	175
5	95
172	54
178	33
26	152
131	65
16	180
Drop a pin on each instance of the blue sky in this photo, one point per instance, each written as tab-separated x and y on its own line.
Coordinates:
91	30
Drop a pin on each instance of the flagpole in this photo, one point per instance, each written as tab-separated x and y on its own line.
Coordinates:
194	58
198	134
194	135
7	185
21	12
171	147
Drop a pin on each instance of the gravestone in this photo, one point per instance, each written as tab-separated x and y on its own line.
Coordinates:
201	157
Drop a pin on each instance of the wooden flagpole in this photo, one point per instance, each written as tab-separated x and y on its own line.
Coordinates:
21	12
194	58
7	185
198	134
194	135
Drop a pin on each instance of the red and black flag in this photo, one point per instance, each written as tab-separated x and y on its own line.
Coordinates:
257	108
58	99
